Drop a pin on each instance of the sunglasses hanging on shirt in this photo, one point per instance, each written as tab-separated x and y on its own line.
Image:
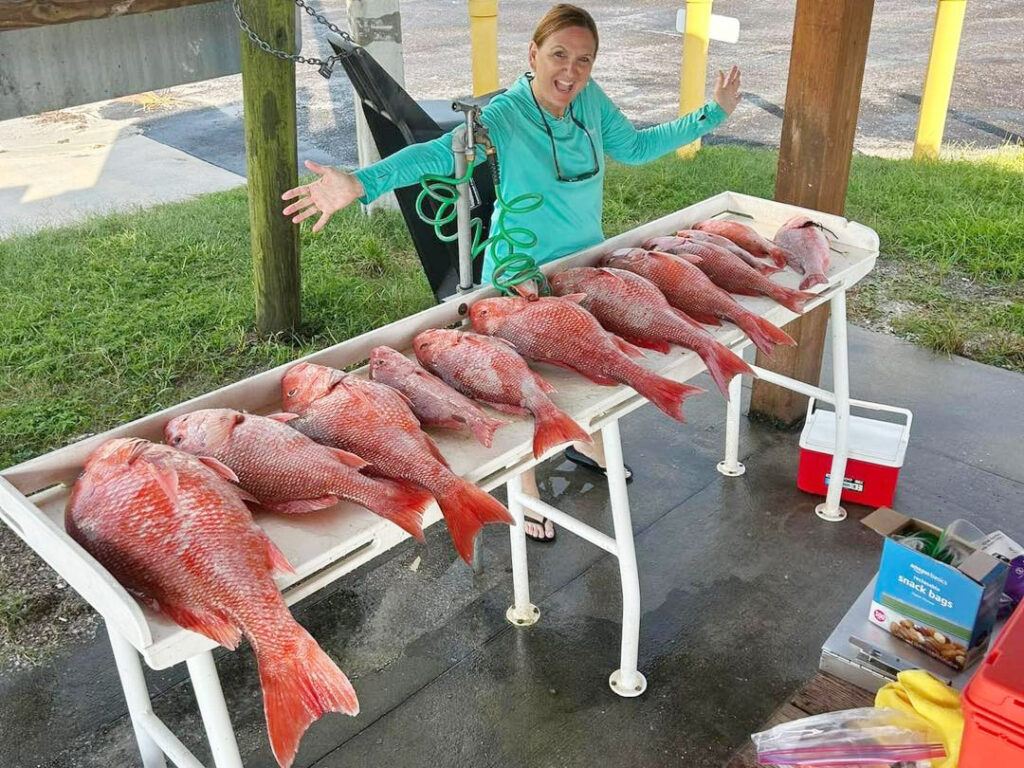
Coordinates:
554	152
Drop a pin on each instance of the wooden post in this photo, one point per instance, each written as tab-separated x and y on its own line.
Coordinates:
268	93
826	67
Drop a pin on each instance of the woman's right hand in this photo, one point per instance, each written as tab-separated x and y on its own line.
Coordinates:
327	195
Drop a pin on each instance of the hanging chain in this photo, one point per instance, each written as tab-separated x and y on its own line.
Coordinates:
326	66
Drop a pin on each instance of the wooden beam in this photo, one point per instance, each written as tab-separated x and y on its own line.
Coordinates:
19	14
826	68
268	95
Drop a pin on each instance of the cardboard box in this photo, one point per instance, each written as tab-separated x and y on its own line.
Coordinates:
944	610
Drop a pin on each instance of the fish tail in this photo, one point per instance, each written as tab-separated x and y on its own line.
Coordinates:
722	364
764	335
483	429
552	427
793	300
403	504
666	394
813	279
466	509
299	687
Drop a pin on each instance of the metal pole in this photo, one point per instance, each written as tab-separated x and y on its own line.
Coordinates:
214	711
626	680
831	510
462	147
483	35
136	696
731	466
522	613
695	64
938	80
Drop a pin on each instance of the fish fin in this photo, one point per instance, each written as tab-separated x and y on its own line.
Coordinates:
514	410
166	477
298	687
722	364
689	257
683	316
206	623
528	290
672	257
576	298
278	562
553	427
300	506
626	347
605	381
764	335
404	397
483	429
611	273
766	269
466	509
701	317
348	459
657	344
812	280
247	497
284	418
664	393
780	256
403	503
219	467
793	300
544	384
435	451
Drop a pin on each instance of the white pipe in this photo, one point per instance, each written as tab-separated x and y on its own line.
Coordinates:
569	523
136	696
462	143
793	384
169	743
731	466
522	612
831	510
626	680
214	711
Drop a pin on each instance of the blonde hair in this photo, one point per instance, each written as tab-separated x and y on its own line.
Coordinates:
561	17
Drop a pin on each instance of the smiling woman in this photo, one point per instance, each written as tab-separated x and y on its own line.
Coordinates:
552	129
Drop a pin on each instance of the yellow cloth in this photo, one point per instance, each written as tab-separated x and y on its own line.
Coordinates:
919	692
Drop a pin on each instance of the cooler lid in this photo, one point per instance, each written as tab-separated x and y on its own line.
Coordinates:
998	684
877	442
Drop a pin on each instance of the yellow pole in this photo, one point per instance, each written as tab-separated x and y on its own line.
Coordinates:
695	64
483	35
938	81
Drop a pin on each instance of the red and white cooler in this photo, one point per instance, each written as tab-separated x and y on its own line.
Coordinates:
876	452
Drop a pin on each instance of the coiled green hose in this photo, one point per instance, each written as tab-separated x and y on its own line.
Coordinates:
511	268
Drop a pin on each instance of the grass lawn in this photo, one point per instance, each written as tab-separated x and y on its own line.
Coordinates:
127	314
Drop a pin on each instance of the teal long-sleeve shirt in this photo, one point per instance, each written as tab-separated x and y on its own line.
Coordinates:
570	217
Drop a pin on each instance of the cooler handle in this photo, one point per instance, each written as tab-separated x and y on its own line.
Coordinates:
904	439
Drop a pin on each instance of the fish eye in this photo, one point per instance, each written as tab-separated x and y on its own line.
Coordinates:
291	392
176	440
424	344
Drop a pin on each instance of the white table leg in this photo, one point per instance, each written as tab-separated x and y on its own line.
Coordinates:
626	680
522	613
214	711
731	466
831	510
136	695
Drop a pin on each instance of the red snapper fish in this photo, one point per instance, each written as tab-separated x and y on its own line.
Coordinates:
671	243
559	331
689	289
287	472
491	371
746	238
633	308
731	274
808	249
375	421
435	403
179	537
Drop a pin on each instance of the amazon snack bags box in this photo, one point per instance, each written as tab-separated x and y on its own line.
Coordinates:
944	610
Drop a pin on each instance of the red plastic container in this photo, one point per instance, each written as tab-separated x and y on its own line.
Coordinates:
876	452
993	704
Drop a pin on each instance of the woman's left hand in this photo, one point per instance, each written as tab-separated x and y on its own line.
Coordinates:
727	89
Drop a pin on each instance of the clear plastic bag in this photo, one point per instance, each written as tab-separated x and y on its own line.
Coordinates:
854	738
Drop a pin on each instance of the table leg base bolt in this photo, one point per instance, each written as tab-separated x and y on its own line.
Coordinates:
832	517
523	618
634	687
736	471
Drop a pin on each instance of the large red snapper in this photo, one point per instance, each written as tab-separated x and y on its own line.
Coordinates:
633	308
731	274
435	403
559	331
179	537
746	238
491	371
375	422
689	289
288	472
809	249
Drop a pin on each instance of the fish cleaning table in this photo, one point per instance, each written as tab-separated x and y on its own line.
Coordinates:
323	546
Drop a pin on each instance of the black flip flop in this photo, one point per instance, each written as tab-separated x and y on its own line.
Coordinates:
539	539
582	460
